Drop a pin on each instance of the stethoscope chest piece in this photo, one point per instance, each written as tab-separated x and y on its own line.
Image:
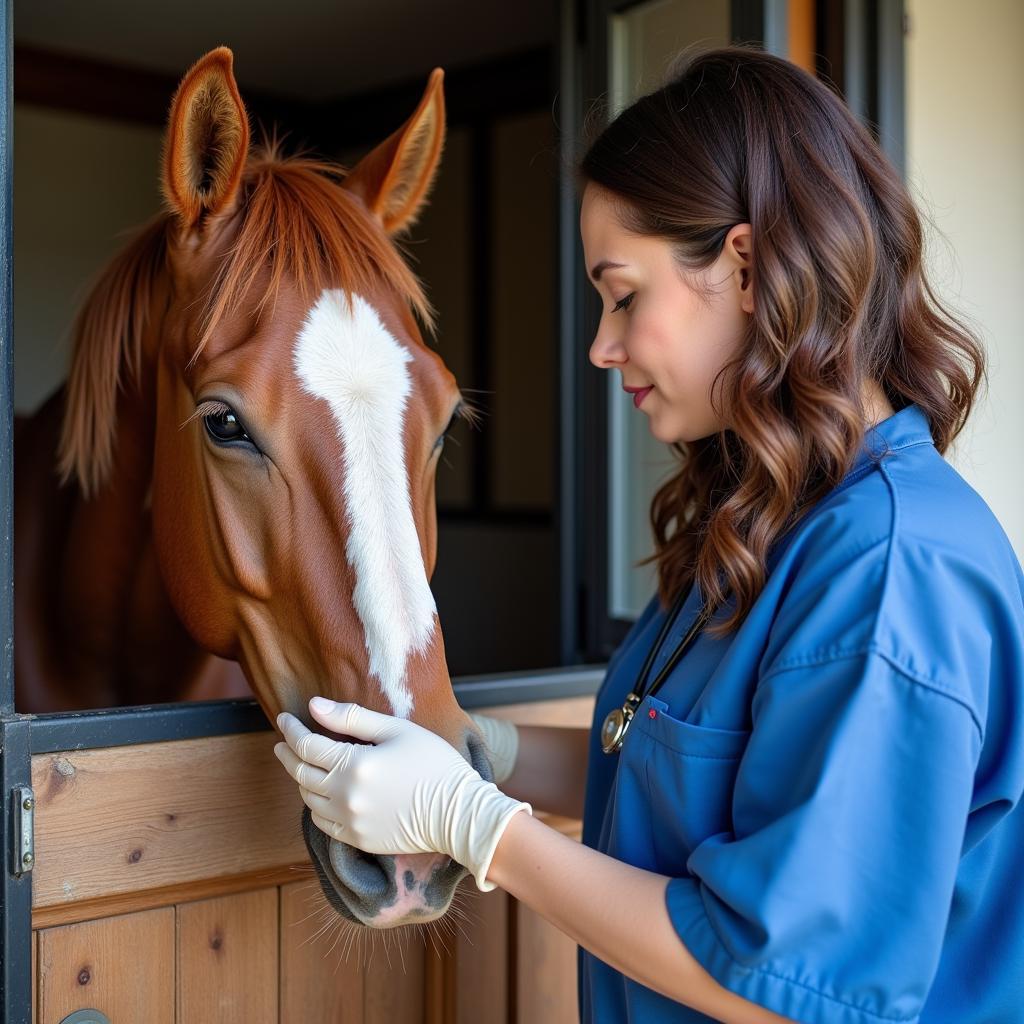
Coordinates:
613	731
616	722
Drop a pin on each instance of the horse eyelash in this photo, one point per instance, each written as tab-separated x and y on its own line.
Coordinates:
469	412
208	407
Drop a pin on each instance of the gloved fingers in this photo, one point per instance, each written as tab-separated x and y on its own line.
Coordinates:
310	746
333	829
320	806
308	776
354	720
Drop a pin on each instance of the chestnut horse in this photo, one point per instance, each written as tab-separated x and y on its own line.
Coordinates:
248	440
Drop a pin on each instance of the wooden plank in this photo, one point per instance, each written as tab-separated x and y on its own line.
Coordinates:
545	970
482	954
122	965
166	896
578	711
439	974
35	976
321	976
119	820
227	962
393	979
205	888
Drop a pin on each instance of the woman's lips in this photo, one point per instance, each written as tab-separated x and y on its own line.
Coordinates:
639	396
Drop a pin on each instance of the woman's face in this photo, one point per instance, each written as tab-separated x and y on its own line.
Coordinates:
658	331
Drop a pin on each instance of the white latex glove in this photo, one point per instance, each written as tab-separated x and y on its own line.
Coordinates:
410	792
502	740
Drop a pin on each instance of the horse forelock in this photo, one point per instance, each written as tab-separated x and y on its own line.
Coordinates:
294	218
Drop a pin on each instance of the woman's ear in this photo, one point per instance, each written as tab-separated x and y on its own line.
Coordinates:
739	245
206	144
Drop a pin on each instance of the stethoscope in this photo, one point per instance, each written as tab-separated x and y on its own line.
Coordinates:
613	731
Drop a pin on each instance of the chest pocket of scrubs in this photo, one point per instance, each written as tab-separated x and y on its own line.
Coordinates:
690	772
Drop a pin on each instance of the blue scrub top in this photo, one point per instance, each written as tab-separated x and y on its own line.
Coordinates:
834	790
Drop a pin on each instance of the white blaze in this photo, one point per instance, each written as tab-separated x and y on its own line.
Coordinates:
350	359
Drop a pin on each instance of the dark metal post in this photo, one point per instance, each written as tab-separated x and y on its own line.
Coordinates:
570	527
16	892
15	762
6	380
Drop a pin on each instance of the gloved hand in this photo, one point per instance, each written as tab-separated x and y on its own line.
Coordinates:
410	792
502	740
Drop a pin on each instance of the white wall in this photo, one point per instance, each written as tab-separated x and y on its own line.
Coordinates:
965	145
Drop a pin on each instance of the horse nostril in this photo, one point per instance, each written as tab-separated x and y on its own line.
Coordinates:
478	756
366	874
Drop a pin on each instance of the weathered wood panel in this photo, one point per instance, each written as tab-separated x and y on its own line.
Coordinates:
394	977
482	954
577	711
227	963
321	977
122	965
121	820
545	971
153	827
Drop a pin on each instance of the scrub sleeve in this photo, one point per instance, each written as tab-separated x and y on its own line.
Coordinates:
829	900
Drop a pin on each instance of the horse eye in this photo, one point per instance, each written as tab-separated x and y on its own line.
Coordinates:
447	430
223	427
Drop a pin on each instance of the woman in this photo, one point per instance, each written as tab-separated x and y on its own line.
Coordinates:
812	812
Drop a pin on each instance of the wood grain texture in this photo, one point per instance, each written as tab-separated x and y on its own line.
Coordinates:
121	820
122	965
227	965
393	978
166	896
482	955
545	971
578	711
197	835
321	977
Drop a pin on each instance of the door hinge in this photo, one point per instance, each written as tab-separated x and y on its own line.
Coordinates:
22	839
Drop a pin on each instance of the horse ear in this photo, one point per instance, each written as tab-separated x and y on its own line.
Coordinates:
393	179
207	141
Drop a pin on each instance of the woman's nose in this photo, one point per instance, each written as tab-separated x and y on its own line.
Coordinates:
606	351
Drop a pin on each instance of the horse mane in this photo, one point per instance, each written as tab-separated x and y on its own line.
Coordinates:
295	219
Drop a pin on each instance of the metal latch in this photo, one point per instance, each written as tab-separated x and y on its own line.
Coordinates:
22	852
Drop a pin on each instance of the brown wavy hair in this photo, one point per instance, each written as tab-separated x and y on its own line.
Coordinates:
737	135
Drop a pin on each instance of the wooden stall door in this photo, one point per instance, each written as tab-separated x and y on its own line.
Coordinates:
171	886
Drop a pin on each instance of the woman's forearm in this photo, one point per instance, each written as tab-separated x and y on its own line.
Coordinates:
551	769
614	910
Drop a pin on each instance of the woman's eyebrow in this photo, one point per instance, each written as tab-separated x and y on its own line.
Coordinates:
601	267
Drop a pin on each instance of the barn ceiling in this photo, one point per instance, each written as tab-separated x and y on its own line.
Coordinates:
306	49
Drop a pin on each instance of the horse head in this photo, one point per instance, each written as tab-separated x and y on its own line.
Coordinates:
289	420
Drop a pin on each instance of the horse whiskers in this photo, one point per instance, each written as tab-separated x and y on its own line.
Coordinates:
316	935
353	935
333	944
312	913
